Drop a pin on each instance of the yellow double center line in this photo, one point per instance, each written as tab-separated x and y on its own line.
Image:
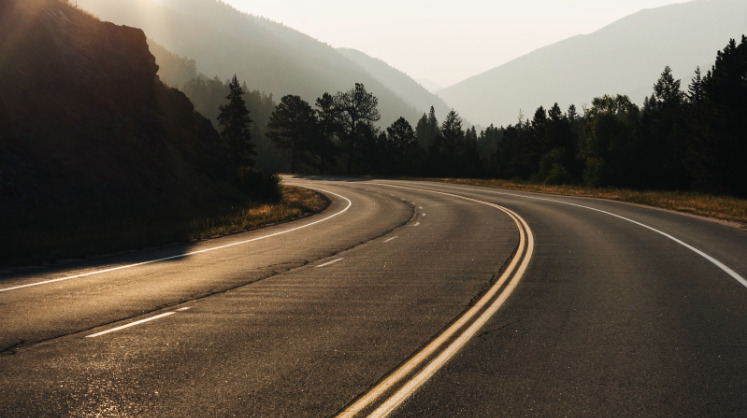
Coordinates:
405	380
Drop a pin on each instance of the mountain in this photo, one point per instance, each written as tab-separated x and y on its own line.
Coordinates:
268	56
407	88
174	70
430	85
92	144
625	57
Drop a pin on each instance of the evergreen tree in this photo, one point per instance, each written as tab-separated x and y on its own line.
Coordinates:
325	147
508	162
557	164
662	150
718	140
572	114
427	129
235	124
293	127
400	133
358	110
470	154
447	150
405	150
608	147
487	145
695	93
538	142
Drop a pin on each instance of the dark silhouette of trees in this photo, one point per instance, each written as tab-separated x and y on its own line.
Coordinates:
403	148
608	145
443	154
325	147
558	164
293	127
717	142
235	124
452	135
209	94
487	145
676	140
356	112
663	145
427	129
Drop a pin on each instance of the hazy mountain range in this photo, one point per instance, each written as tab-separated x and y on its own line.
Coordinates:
625	57
268	56
412	91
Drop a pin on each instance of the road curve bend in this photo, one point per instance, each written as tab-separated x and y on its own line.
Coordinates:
402	299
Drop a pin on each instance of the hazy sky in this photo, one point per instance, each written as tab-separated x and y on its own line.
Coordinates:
445	41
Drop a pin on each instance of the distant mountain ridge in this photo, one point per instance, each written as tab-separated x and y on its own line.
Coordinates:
625	57
268	56
403	85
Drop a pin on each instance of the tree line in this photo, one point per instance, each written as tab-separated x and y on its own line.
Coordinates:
678	140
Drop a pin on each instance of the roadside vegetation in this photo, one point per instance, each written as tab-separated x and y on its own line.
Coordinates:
296	202
719	207
73	238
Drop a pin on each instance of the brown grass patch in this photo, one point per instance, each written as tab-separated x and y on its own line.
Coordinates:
296	203
718	207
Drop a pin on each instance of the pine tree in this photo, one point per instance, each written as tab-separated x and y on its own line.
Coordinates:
427	129
293	127
358	110
695	92
608	146
718	142
235	122
662	148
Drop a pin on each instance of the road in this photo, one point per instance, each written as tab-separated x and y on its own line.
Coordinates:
403	298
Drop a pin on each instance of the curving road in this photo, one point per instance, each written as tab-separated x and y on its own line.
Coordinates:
403	298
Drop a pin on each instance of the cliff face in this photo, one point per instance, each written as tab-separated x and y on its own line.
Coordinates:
55	51
89	137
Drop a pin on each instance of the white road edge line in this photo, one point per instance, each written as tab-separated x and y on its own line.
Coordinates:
711	259
174	257
329	263
390	239
736	276
132	324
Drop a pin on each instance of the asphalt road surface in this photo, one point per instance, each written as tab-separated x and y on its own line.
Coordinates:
403	298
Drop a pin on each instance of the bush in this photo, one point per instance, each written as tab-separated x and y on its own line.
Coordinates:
260	184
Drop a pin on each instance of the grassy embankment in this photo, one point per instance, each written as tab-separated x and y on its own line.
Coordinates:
719	207
74	237
297	202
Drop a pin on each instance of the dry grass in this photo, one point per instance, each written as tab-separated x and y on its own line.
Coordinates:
718	207
73	237
295	203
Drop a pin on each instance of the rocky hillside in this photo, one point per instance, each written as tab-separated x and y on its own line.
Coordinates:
92	144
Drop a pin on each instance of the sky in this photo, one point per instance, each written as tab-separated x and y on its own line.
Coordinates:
444	41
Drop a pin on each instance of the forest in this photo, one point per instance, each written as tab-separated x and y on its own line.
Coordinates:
678	140
681	138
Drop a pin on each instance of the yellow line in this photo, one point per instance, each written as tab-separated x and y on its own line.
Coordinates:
526	242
